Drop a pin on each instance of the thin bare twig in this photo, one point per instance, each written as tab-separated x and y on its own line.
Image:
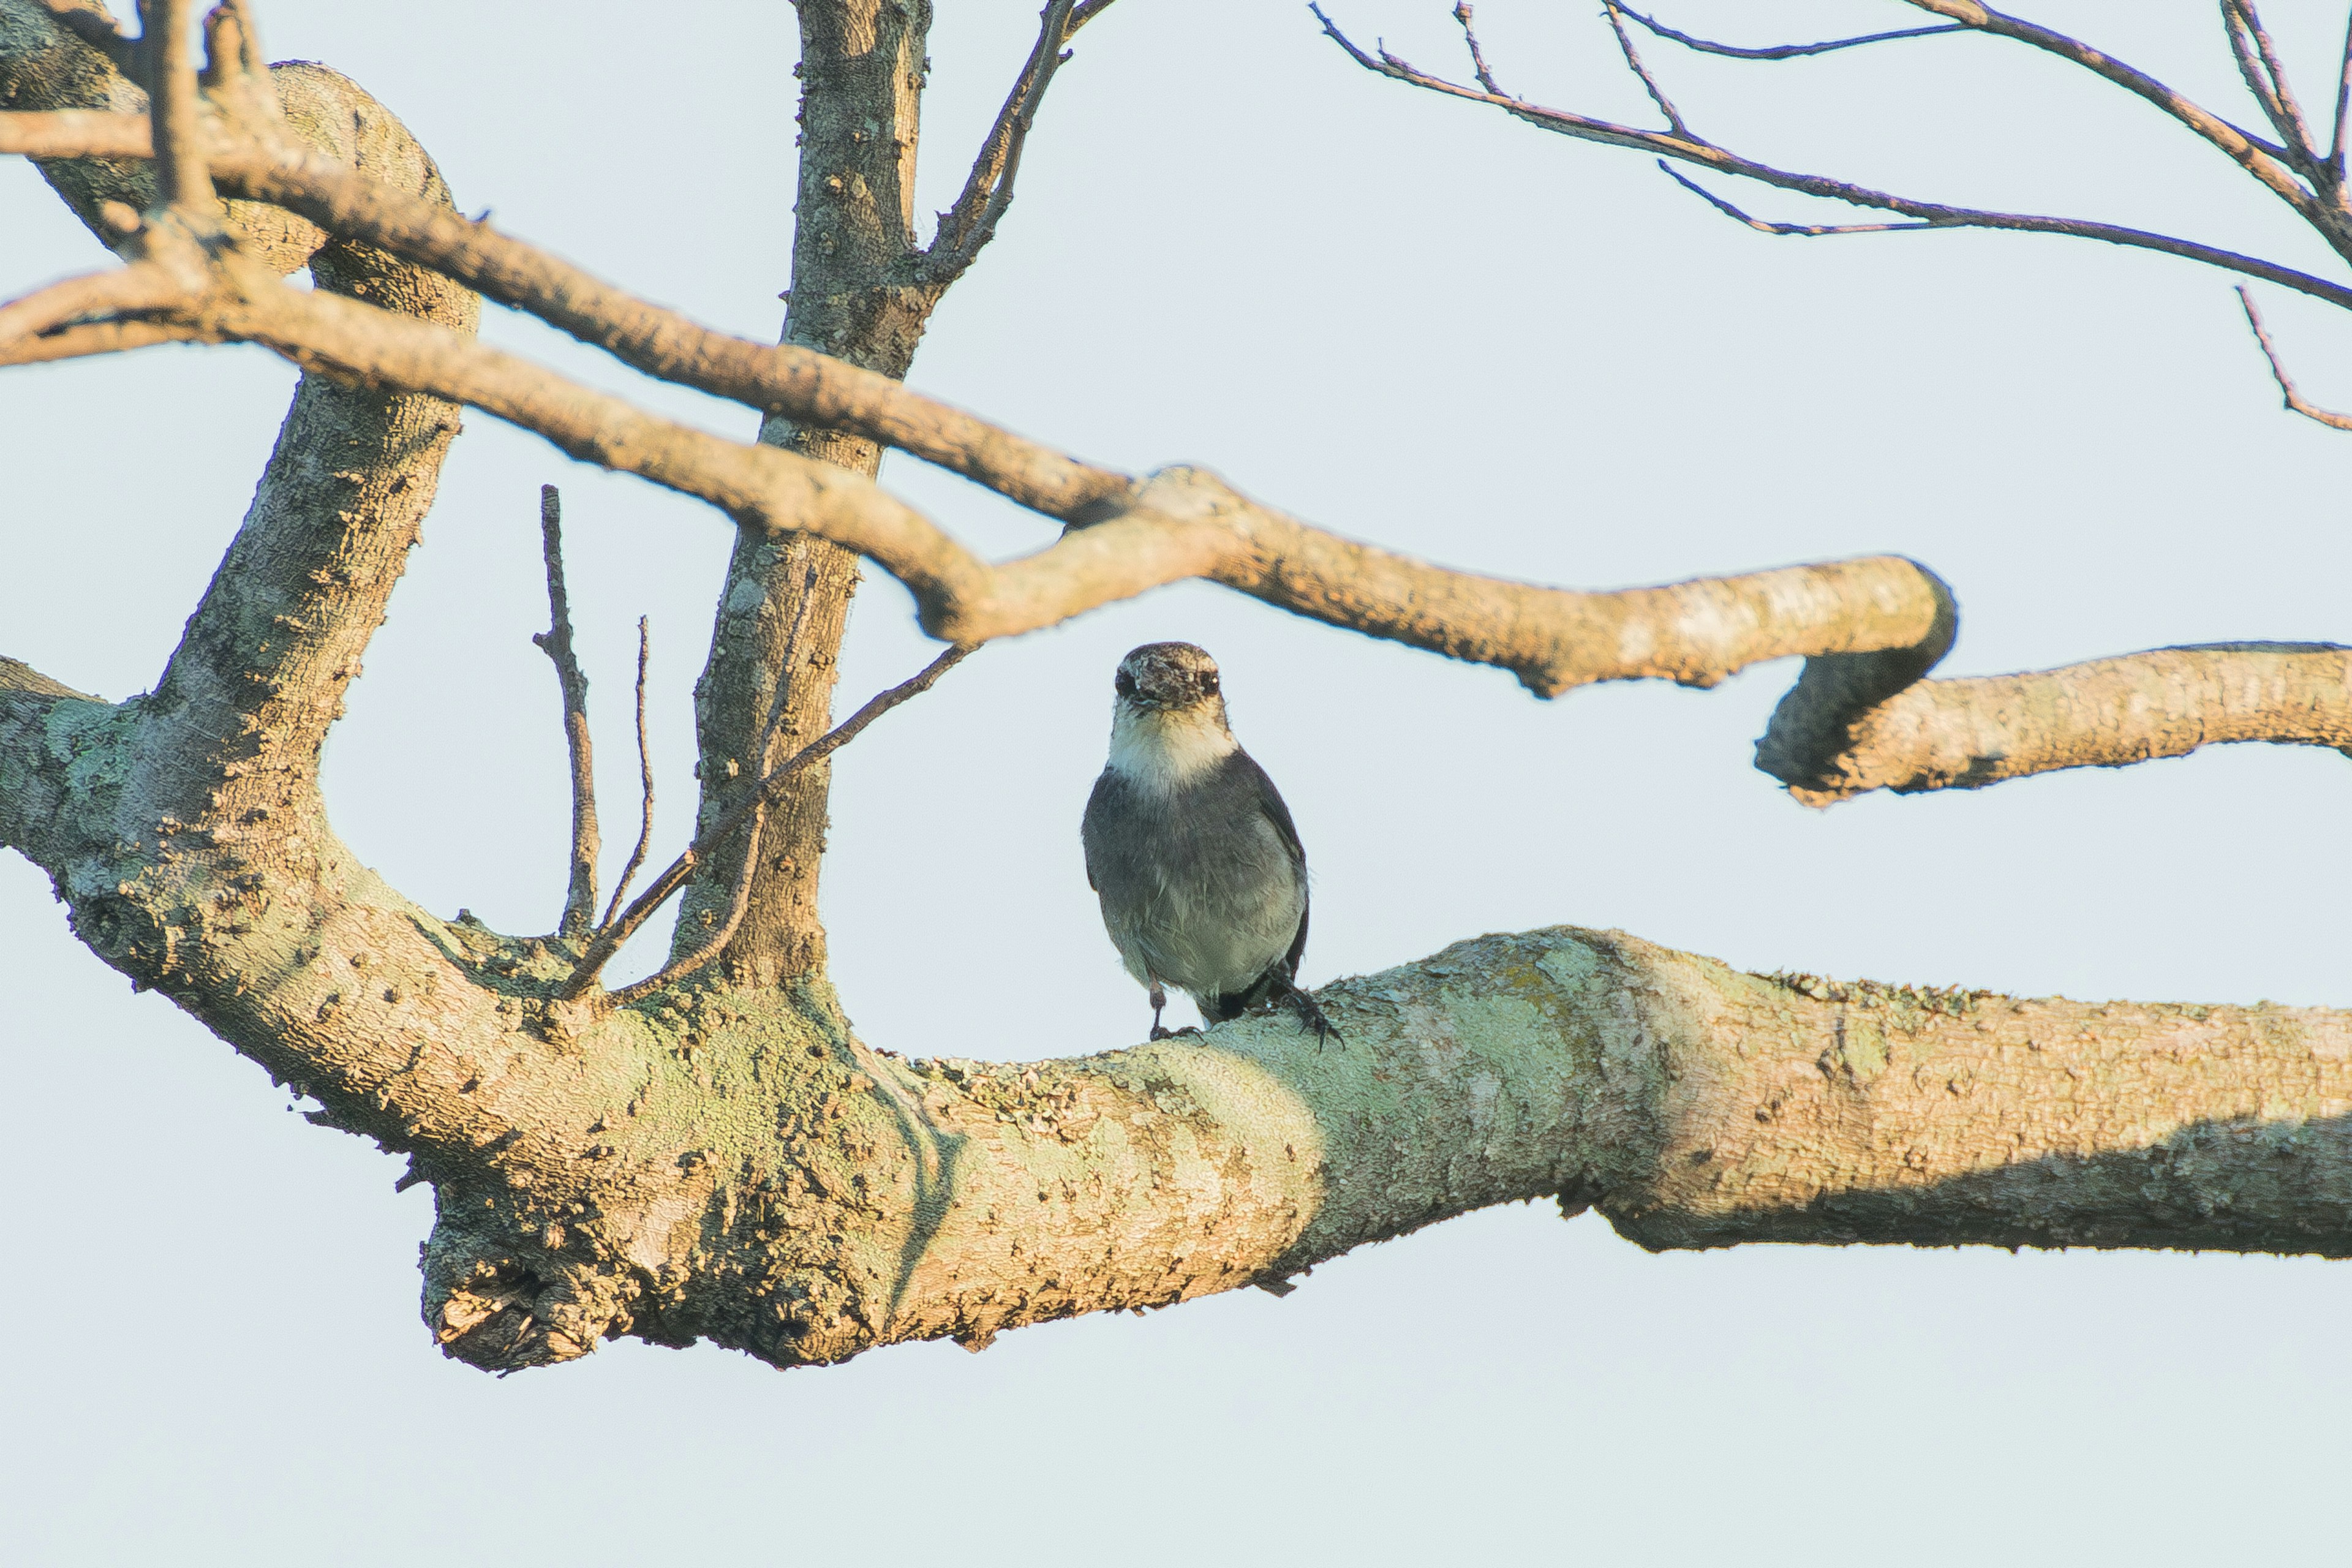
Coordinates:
1633	62
2265	77
644	782
966	228
580	895
2274	166
1782	51
180	176
2343	104
2295	399
1463	14
738	895
610	940
1763	225
1934	215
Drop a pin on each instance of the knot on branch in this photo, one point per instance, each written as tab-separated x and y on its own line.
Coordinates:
503	1307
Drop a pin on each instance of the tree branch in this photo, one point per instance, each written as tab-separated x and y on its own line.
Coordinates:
966	228
2107	713
580	894
1932	215
644	782
180	176
2296	402
747	809
1775	51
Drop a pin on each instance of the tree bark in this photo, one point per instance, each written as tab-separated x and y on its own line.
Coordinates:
856	295
721	1159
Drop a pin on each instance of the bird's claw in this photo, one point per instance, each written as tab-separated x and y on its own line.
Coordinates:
1160	1034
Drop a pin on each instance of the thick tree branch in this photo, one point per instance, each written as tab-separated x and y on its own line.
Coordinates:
580	892
2108	713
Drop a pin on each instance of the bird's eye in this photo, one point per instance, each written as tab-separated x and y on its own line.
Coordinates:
1124	684
1209	684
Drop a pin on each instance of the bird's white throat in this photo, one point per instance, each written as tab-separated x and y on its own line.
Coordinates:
1163	750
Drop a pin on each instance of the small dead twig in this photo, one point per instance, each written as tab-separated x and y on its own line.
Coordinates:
966	228
1467	17
1633	63
644	782
2296	401
609	940
738	895
580	896
1781	51
2265	77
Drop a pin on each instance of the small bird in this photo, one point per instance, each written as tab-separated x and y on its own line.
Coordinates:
1189	846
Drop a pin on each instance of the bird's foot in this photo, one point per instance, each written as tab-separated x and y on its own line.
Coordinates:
1311	1015
1160	1034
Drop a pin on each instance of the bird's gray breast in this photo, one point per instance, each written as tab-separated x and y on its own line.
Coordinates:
1199	886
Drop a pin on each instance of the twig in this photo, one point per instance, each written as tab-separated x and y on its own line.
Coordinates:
2295	399
1935	214
1633	62
181	177
1463	14
2258	63
580	896
644	782
610	939
1809	230
1782	51
2274	166
747	869
2343	104
966	228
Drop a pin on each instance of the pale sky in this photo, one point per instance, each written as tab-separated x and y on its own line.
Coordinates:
1414	321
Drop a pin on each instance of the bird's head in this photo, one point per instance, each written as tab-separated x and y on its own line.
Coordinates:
1171	677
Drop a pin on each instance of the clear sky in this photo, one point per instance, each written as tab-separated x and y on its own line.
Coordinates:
1414	321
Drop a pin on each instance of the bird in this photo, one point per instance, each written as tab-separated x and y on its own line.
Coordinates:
1190	851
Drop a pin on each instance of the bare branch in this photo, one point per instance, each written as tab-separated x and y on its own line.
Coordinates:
1783	52
739	896
2343	105
615	933
2271	166
123	290
1633	63
181	174
2111	712
966	228
644	782
1933	215
580	895
100	338
1463	14
2296	401
76	133
2265	77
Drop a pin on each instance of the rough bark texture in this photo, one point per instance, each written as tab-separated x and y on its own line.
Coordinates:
721	1159
2108	713
855	295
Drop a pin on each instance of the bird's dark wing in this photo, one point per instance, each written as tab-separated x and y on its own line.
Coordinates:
1270	805
1097	803
1269	802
